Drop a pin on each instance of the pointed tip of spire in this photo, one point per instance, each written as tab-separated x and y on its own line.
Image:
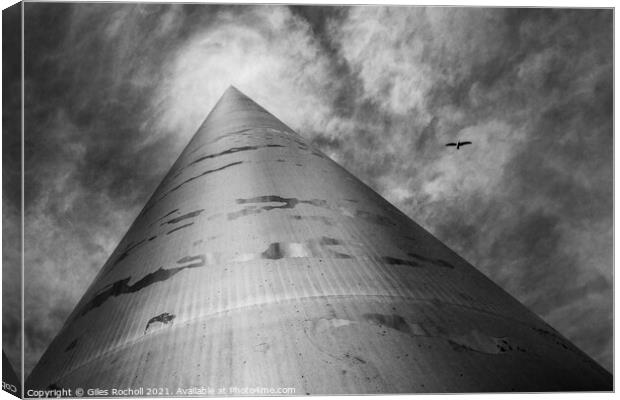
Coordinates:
233	100
232	90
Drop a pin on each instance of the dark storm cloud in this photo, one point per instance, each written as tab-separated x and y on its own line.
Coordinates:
115	91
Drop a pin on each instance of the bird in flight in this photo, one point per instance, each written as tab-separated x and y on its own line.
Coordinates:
458	144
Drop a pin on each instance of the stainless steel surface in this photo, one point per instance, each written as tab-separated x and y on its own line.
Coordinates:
261	262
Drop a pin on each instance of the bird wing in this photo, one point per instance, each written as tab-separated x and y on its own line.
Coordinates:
464	143
451	144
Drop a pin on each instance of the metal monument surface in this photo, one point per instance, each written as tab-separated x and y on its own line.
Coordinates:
260	262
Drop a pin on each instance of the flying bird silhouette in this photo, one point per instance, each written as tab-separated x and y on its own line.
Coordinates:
458	144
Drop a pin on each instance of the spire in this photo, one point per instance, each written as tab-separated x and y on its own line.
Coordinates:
261	262
233	94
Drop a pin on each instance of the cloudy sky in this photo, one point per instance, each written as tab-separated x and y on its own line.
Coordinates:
115	91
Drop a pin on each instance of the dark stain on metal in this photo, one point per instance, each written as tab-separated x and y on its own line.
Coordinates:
435	261
459	347
291	202
398	261
233	133
184	216
185	259
392	321
301	143
170	213
560	341
308	248
122	286
151	204
231	151
152	238
288	203
337	254
503	346
71	345
164	318
179	227
320	218
355	358
273	252
327	241
128	250
201	175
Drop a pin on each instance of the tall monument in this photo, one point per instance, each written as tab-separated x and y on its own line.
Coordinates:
260	262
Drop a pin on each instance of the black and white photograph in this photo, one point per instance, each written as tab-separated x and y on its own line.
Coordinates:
215	200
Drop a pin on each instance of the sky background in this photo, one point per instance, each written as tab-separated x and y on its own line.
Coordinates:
113	92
